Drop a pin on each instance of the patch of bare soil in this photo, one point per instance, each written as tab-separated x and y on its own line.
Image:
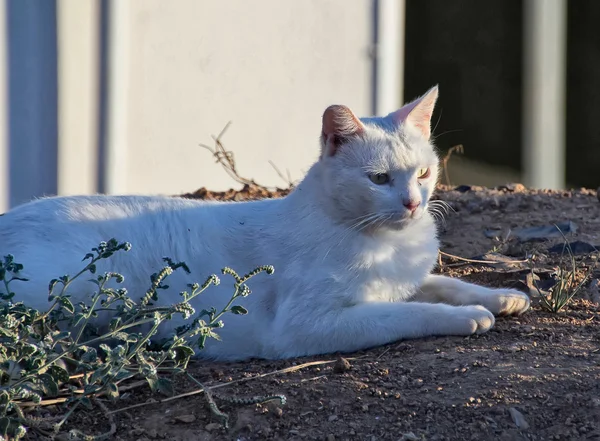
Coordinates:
535	377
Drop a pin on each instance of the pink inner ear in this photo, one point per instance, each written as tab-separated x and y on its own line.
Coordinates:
339	123
418	113
329	124
423	122
400	115
339	120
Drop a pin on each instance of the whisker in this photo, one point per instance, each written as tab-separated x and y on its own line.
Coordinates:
368	220
438	120
435	137
364	221
437	213
443	204
372	222
359	222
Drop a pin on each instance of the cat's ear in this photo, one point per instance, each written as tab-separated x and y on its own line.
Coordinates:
339	124
418	112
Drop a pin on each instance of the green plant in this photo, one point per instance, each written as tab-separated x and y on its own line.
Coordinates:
39	359
568	281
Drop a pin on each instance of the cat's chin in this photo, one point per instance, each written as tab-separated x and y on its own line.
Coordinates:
407	216
401	220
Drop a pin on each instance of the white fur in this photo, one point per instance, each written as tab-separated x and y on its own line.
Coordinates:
348	256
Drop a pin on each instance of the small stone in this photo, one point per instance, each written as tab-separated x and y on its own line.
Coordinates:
515	187
332	418
409	437
341	365
217	374
518	419
330	437
185	418
277	412
212	426
365	408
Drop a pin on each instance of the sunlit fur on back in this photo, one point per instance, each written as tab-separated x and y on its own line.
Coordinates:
353	247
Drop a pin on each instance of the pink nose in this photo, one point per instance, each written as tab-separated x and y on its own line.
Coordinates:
411	204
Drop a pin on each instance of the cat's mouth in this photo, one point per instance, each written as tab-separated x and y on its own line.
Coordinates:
395	220
401	218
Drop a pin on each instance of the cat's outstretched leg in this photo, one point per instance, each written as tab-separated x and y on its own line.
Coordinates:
443	289
367	325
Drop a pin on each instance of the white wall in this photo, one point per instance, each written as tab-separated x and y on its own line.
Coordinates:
174	74
271	67
4	159
29	123
78	81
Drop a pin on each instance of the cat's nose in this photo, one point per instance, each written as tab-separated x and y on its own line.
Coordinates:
411	204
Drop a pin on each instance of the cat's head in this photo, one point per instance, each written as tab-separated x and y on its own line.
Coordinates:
379	172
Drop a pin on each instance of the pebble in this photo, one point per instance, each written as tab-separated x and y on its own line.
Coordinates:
185	418
514	187
212	426
341	365
518	419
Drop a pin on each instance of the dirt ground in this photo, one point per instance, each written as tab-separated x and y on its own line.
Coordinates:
535	377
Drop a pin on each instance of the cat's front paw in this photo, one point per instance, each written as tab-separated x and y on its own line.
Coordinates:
506	302
471	319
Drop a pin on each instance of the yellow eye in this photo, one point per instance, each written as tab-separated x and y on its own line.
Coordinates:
423	173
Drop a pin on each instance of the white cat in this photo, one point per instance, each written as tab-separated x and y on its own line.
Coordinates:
353	247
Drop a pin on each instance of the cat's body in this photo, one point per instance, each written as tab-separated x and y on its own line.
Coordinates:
349	252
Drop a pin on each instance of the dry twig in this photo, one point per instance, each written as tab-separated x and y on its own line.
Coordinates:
227	161
68	393
467	261
287	179
225	158
458	149
239	380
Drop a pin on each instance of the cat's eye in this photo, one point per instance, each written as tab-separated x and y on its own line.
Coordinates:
379	178
423	173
